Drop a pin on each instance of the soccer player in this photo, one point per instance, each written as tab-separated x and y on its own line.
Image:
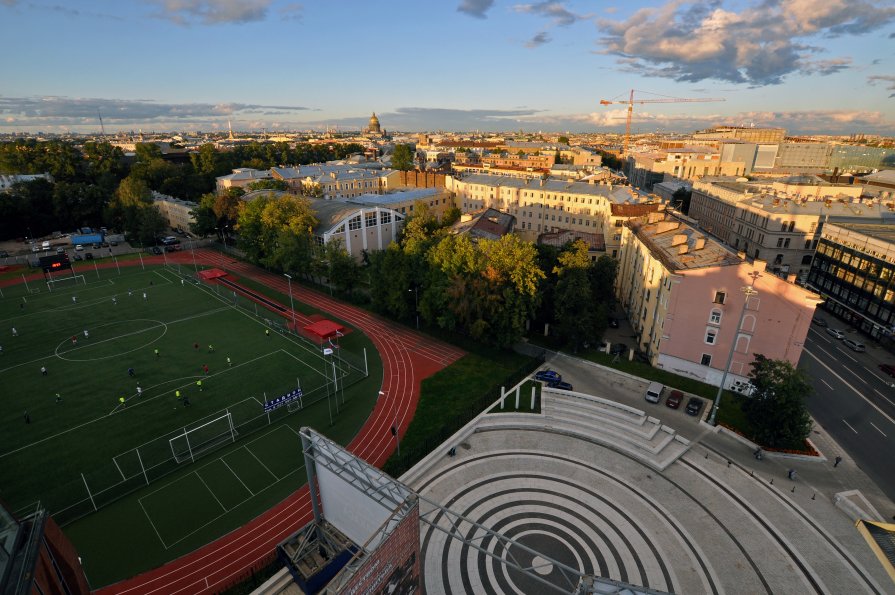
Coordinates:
74	340
205	369
74	299
131	373
1	349
195	346
144	296
267	332
43	370
229	363
156	353
114	300
210	348
186	401
121	401
15	333
177	394
27	418
199	384
139	391
86	334
58	398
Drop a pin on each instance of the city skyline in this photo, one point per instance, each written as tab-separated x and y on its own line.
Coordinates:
808	66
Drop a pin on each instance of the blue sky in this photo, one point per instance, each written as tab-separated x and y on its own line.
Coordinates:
822	66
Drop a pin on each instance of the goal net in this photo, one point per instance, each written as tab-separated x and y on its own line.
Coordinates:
194	442
65	282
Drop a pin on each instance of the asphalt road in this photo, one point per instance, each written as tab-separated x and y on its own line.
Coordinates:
853	400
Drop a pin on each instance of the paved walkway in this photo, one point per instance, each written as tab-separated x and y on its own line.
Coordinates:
573	487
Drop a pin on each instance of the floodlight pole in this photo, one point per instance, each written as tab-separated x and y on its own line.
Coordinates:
291	302
140	253
416	302
193	250
394	428
749	291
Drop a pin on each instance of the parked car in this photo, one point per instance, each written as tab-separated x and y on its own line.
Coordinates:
674	399
88	256
560	385
854	345
78	256
97	245
79	248
548	376
694	406
888	369
835	333
60	250
819	321
155	250
618	349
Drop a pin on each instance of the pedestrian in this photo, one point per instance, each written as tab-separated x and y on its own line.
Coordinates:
205	369
15	333
86	334
58	398
121	401
838	460
27	418
74	340
229	363
792	474
210	348
199	385
156	354
131	373
43	370
139	391
177	394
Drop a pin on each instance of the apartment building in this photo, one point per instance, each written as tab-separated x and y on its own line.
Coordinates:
690	163
748	134
543	205
337	181
779	221
240	178
178	213
854	270
684	295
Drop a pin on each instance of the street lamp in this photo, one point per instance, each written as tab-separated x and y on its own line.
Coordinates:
749	291
416	302
291	303
394	428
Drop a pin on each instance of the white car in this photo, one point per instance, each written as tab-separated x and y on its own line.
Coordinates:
854	345
835	333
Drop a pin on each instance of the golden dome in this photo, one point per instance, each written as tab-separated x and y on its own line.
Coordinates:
374	123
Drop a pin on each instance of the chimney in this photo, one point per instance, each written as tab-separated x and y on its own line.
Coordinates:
791	278
654	217
666	226
683	249
678	239
741	255
700	244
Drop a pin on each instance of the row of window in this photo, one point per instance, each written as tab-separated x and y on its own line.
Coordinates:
880	309
369	221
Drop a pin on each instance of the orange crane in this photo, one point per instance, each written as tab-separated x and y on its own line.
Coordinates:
632	101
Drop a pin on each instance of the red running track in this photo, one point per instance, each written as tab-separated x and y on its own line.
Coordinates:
407	358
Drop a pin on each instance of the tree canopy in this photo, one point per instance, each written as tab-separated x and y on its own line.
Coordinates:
777	408
402	158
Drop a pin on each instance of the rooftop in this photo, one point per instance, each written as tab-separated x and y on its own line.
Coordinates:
680	247
396	197
879	230
619	194
489	224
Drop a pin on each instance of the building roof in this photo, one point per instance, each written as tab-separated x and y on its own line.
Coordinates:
489	224
681	247
635	210
618	194
246	174
396	197
886	176
595	241
879	230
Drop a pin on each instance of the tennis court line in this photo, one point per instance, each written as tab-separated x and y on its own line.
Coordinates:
259	462
210	491
236	476
148	518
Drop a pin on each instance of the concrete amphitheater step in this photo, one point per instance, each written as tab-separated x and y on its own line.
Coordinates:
607	412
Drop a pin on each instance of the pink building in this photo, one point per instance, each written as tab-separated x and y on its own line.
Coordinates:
686	297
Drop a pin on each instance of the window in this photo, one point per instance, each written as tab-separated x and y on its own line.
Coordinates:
370	219
710	336
385	217
807	244
715	316
719	297
706	359
779	242
792	224
786	243
354	223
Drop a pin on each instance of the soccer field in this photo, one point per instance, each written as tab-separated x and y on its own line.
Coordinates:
103	437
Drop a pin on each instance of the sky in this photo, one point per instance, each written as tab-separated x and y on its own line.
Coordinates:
810	66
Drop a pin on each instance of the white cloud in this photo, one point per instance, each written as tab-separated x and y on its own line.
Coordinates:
759	45
212	12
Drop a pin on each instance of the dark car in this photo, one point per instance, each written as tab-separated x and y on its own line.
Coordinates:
548	376
561	385
155	250
674	399
613	323
97	245
78	256
819	321
618	349
88	256
888	369
694	406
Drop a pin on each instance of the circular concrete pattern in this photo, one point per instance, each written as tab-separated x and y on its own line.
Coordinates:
597	526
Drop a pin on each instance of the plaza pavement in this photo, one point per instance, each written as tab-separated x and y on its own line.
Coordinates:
611	485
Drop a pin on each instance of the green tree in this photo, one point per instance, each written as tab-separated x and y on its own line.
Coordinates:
575	311
402	158
267	185
151	224
262	220
563	140
419	229
204	213
776	409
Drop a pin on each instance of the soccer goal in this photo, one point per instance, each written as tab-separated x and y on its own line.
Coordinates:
194	442
64	282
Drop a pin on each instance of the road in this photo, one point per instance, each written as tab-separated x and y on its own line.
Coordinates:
853	400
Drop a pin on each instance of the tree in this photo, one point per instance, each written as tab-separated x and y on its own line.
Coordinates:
402	158
563	140
151	224
575	311
777	408
268	185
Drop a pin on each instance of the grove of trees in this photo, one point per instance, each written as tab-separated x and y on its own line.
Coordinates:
777	410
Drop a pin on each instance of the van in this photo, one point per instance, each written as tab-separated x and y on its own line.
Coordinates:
654	392
79	248
45	246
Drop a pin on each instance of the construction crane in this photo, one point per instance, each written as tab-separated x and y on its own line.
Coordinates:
103	128
631	101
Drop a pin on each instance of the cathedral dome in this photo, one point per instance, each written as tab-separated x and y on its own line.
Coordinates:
374	123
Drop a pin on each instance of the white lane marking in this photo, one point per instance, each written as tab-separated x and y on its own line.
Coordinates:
857	392
849	426
878	430
825	382
848	356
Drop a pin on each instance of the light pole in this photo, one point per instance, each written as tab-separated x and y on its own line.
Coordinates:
193	250
416	303
749	291
291	303
394	428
